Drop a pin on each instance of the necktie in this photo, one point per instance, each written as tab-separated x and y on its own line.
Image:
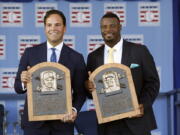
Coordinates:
111	55
53	55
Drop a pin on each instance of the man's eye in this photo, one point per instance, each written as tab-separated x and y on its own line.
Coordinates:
48	25
113	26
103	27
58	24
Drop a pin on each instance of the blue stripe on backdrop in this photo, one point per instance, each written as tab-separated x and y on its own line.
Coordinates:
176	55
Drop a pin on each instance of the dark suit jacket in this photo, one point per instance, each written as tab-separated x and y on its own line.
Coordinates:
145	79
69	58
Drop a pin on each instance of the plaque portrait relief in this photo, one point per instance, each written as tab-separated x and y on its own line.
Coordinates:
49	92
115	97
111	82
48	80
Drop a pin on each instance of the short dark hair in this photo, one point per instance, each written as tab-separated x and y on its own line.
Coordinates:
53	11
110	15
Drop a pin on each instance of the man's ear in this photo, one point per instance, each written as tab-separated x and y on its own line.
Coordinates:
64	29
120	27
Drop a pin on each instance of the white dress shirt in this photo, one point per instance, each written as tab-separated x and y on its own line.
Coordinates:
117	53
58	51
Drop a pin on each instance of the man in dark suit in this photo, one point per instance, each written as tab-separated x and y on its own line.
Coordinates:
144	74
54	49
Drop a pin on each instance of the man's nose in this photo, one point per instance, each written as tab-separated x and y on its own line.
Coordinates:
108	29
53	27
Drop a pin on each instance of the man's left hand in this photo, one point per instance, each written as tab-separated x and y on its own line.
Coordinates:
70	117
141	108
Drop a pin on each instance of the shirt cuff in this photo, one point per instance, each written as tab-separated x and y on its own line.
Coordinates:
74	109
23	87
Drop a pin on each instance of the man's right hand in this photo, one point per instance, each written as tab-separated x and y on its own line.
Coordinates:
89	84
25	76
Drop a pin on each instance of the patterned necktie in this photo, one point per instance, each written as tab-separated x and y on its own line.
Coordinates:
53	55
111	55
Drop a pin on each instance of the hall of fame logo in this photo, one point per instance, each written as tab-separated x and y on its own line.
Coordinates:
40	11
119	9
69	40
7	78
25	41
11	15
80	15
135	38
94	42
149	13
2	47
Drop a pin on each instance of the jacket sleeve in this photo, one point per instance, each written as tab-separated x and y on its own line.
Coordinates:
78	83
151	84
22	66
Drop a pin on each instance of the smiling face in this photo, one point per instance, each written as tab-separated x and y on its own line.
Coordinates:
110	30
54	29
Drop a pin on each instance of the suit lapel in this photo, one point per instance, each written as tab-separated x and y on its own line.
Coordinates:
100	56
126	53
43	52
63	56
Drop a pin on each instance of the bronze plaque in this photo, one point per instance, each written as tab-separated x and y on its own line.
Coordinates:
49	92
115	97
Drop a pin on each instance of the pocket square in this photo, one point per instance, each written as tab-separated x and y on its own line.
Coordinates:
134	65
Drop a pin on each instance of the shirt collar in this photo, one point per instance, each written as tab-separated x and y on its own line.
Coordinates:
58	47
117	46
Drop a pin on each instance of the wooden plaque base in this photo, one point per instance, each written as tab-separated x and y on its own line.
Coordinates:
49	92
115	97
